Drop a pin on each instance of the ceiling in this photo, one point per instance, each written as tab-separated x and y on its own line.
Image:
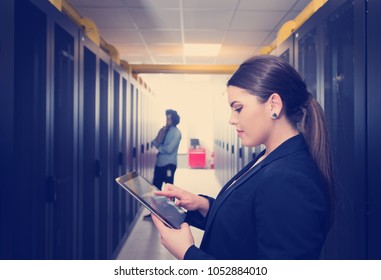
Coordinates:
154	32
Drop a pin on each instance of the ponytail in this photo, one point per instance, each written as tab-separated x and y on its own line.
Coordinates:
315	132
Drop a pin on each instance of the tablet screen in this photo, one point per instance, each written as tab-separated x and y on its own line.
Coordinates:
165	209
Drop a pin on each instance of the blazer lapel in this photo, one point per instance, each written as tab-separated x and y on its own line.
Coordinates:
290	146
226	191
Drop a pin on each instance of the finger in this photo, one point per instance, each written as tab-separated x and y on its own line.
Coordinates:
165	193
178	203
169	191
159	224
168	187
184	225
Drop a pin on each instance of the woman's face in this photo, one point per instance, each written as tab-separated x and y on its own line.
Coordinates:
251	118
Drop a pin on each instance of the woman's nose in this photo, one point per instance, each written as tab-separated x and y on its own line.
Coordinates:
232	120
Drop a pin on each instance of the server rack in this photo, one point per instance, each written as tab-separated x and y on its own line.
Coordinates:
88	195
68	109
330	55
373	129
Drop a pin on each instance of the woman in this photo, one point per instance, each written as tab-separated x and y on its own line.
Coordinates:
278	206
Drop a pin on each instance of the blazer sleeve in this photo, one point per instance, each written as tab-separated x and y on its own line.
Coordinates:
290	213
194	253
194	218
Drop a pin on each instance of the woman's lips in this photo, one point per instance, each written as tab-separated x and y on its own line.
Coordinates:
239	132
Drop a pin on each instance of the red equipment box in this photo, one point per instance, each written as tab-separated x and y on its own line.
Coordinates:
196	158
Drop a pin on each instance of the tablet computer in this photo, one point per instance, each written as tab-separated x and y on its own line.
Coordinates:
162	207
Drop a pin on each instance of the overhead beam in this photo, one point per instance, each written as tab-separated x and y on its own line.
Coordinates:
182	69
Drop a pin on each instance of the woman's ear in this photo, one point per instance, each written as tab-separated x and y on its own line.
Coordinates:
275	104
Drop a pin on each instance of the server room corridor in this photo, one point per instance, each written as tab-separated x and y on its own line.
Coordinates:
143	242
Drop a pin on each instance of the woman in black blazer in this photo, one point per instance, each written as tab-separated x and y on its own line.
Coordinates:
279	205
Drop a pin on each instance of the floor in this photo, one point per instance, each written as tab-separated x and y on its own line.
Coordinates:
144	240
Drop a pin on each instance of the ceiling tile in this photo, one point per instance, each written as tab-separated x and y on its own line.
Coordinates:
210	4
158	19
152	4
161	36
259	21
151	31
268	5
174	49
168	59
203	36
300	5
270	38
109	17
236	49
199	60
121	35
245	37
289	16
132	49
199	19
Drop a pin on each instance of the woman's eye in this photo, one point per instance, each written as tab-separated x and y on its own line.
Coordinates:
238	109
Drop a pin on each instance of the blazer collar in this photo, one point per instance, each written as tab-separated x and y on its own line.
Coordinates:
290	146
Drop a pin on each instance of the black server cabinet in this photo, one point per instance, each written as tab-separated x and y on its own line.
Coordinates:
103	165
26	169
116	160
89	169
135	138
6	122
286	51
120	198
65	139
344	105
306	58
330	54
123	154
63	136
374	129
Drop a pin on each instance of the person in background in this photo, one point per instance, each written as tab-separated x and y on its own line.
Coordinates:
167	142
279	206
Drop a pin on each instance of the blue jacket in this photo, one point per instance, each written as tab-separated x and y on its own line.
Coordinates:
278	210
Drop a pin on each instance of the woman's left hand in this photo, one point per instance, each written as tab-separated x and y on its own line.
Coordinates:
177	241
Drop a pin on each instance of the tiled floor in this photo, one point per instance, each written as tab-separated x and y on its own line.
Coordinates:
144	240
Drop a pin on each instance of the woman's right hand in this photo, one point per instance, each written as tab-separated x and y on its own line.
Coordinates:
185	199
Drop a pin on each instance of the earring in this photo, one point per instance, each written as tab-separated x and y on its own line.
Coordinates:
274	116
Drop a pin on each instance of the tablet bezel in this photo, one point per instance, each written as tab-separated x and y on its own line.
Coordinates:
122	181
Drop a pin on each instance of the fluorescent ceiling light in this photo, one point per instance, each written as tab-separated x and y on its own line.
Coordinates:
201	49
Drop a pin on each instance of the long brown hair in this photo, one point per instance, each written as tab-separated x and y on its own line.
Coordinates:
264	75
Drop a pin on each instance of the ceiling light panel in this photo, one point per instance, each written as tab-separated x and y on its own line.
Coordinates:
203	36
201	49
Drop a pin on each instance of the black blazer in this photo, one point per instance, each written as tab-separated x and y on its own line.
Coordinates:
277	210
